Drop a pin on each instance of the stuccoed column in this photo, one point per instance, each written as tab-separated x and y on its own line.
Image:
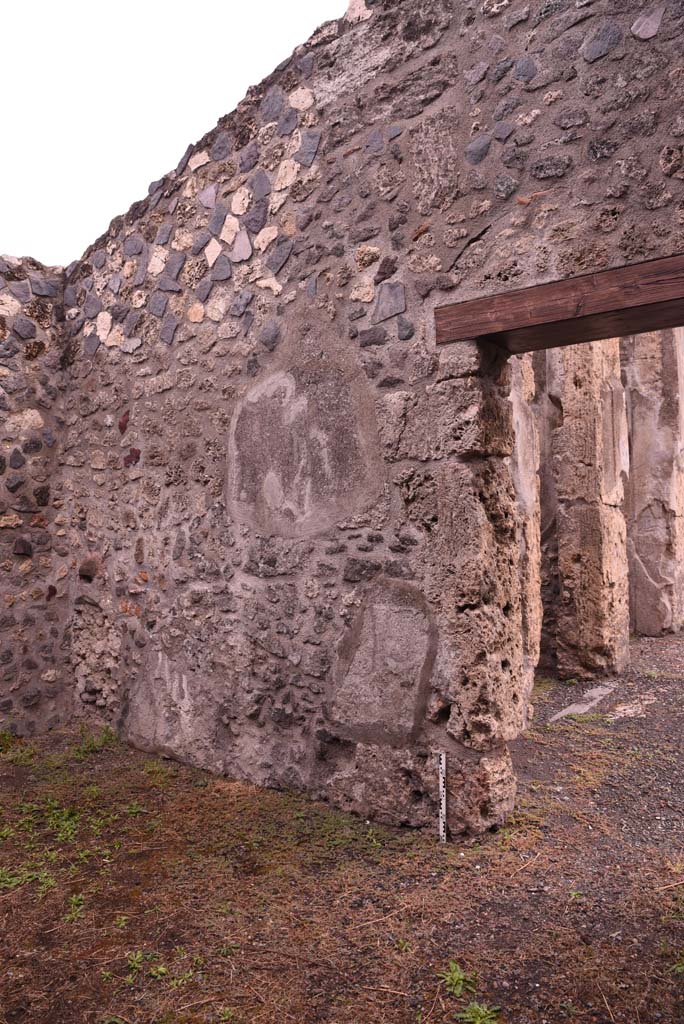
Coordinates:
590	455
653	375
525	466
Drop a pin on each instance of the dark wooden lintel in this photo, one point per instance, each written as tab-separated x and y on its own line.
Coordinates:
608	304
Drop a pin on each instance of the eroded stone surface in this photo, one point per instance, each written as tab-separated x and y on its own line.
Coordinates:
587	452
303	451
653	372
383	672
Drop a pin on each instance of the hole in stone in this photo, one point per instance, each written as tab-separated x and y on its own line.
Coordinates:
443	715
87	570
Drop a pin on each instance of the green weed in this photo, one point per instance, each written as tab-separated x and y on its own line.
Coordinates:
478	1013
678	965
21	754
135	809
7	740
91	744
456	981
76	907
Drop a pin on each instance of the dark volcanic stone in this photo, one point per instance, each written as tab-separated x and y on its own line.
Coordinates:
91	345
257	217
207	197
289	119
203	289
601	42
476	73
306	65
16	459
270	335
502	131
357	570
500	70
216	222
249	157
477	150
21	290
505	186
158	303
164	233
44	288
131	322
390	301
506	108
405	329
222	147
23	547
602	149
388	267
167	284
311	140
222	269
260	184
24	328
168	329
241	302
272	104
375	143
89	569
133	245
42	495
571	117
373	336
201	240
551	167
14	483
175	264
279	256
92	306
525	69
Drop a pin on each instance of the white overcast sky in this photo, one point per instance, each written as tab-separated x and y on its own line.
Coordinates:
102	98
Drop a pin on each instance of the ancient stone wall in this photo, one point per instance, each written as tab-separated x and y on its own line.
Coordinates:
302	544
35	520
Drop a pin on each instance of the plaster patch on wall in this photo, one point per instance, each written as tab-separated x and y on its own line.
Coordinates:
384	666
303	451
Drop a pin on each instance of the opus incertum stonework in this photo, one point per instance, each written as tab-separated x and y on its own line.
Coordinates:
251	517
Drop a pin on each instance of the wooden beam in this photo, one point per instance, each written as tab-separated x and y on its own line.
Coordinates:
608	304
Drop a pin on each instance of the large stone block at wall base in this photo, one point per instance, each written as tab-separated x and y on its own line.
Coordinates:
401	788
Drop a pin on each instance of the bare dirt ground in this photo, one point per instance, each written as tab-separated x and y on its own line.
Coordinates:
137	891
